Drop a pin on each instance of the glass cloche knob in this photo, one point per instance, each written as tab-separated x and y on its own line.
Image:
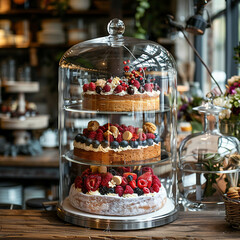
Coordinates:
116	27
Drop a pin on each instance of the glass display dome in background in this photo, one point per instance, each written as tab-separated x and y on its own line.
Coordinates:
117	117
208	162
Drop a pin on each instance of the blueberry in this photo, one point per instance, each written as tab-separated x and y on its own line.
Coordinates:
114	144
111	190
95	143
113	172
105	144
88	141
144	143
130	91
138	191
149	142
103	190
141	89
78	137
139	143
133	144
98	89
129	178
157	138
124	143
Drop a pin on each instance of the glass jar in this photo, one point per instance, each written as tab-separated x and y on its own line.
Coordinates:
117	126
207	162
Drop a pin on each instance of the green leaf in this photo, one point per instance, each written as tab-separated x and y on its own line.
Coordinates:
144	4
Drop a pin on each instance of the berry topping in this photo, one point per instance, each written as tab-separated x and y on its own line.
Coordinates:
157	138
85	132
92	135
133	184
150	135
149	142
92	86
142	183
118	89
148	87
146	176
130	91
124	143
138	191
125	62
109	80
92	182
104	144
113	172
128	190
95	143
124	182
133	175
141	89
133	143
155	187
103	190
88	141
147	169
85	87
146	190
142	136
131	129
78	137
99	137
144	143
119	138
156	180
119	190
128	61
126	68
106	178
114	144
78	182
106	88
98	89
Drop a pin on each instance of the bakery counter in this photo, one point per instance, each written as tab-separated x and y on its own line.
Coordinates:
35	224
43	166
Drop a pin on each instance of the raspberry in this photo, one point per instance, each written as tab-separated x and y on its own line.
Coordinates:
107	126
100	137
106	178
119	190
92	86
119	138
92	135
118	89
109	138
93	181
146	190
155	187
156	180
131	129
133	184
85	132
151	190
85	87
120	129
102	128
148	87
142	136
116	125
147	169
128	190
135	136
136	84
124	182
150	136
99	131
147	176
109	80
78	182
86	172
142	183
106	88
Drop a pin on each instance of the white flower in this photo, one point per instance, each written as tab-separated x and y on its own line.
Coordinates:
225	114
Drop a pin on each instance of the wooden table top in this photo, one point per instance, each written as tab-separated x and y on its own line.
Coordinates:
35	224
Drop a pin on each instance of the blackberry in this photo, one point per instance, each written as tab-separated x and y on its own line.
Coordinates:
88	141
113	172
103	190
98	89
138	191
95	143
149	142
130	91
141	89
111	190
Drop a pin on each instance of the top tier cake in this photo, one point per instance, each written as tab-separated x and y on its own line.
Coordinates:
132	92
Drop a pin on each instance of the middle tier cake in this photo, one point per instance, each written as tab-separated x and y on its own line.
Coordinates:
118	144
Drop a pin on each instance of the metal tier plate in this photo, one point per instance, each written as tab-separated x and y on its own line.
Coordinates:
161	217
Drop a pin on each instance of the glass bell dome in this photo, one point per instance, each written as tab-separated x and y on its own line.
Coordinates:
207	162
117	127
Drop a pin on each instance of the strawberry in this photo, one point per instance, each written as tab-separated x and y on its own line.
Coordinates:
147	169
92	86
134	175
155	187
92	182
128	190
106	178
156	180
150	135
85	87
124	182
148	87
142	183
146	190
147	176
133	184
118	89
78	182
136	84
119	190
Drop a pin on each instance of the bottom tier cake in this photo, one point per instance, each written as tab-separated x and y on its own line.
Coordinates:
117	192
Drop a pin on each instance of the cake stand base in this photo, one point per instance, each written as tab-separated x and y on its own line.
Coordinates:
161	217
